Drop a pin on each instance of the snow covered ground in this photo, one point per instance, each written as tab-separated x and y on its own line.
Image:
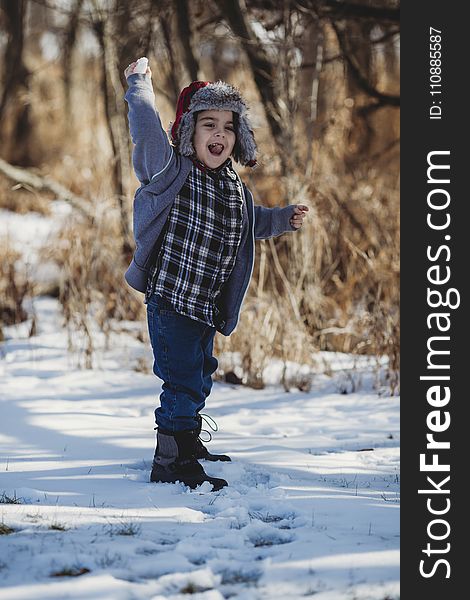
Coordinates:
28	233
312	508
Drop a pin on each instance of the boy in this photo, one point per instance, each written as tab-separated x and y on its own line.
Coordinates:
194	225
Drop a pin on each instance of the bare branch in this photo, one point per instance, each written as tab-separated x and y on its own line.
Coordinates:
45	184
338	10
359	77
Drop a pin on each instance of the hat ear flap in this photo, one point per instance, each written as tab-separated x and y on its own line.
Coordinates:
186	132
245	147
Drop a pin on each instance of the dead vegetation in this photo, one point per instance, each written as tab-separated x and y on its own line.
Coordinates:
14	287
92	291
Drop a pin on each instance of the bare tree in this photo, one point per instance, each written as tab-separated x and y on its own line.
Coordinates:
174	74
283	83
191	63
264	73
111	27
68	45
15	113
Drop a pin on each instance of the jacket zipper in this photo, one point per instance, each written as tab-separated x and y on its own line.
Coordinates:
253	250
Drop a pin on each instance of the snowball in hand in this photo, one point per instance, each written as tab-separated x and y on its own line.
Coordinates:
141	66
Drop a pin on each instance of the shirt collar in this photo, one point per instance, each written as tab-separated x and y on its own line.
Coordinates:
216	173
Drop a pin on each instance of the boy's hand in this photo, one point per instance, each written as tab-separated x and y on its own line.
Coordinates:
139	66
297	218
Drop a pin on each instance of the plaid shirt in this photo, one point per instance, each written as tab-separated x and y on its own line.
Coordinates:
201	241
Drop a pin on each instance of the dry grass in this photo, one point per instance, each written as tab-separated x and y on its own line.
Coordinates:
92	290
7	499
332	286
5	529
14	287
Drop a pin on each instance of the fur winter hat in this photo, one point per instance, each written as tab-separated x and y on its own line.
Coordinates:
207	95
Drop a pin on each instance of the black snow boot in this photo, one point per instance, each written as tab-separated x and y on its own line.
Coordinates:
175	461
200	451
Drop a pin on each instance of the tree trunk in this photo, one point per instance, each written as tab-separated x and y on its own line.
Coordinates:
309	80
182	8
68	45
113	94
133	35
15	114
356	43
262	68
173	79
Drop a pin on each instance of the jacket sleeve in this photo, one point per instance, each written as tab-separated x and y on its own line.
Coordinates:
152	151
270	222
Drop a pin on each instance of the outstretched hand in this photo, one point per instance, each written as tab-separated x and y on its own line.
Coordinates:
297	219
134	67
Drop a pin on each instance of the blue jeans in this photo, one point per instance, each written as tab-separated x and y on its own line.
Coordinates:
182	350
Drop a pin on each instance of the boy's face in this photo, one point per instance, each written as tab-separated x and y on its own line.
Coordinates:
214	137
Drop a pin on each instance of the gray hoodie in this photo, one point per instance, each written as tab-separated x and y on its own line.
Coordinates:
162	172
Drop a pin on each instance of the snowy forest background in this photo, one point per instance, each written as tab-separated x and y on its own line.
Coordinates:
307	388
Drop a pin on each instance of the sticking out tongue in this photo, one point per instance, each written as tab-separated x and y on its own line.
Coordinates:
216	149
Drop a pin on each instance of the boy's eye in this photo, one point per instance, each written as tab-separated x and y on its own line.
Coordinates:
211	125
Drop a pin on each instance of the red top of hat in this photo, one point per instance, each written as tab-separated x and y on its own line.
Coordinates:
184	101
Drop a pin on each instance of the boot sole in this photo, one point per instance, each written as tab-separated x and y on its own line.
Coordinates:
217	484
215	458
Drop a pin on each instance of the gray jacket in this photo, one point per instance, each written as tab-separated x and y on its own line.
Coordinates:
162	172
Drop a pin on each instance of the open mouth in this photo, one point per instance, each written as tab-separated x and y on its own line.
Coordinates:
216	149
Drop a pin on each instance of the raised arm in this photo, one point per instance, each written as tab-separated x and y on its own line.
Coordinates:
152	151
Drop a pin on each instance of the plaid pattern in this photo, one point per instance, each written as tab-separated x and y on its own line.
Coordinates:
201	241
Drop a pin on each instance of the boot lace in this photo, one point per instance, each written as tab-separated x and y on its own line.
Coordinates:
211	423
